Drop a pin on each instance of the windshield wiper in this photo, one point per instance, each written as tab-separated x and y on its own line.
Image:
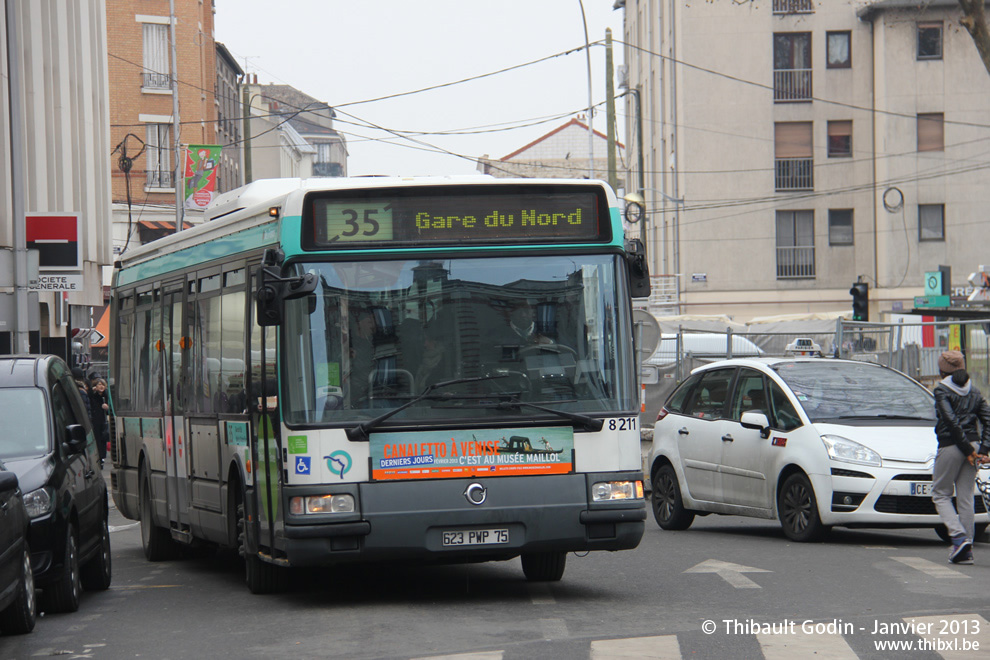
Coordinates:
577	419
360	432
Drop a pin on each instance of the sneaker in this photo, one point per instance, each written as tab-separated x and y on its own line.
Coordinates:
959	551
967	558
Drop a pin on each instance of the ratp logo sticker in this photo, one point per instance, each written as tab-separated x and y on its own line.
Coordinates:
339	462
303	464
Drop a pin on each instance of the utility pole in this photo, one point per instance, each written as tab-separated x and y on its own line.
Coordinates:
591	106
246	113
613	179
177	180
21	343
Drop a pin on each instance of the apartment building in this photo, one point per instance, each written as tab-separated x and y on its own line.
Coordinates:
793	147
143	85
54	169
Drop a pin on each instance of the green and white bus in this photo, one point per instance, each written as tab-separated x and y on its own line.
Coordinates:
372	369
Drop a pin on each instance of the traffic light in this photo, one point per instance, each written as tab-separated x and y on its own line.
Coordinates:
861	301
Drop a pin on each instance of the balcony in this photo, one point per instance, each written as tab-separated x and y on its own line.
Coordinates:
158	179
793	6
152	80
794	174
795	262
791	85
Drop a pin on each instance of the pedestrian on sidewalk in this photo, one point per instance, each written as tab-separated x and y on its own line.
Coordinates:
962	419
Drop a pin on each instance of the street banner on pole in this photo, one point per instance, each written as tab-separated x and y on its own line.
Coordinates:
200	178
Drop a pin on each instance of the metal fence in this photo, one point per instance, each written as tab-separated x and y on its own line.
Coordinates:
912	348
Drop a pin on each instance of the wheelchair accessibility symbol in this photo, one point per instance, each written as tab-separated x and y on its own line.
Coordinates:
303	465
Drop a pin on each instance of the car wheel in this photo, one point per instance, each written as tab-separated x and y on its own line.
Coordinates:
261	576
668	508
20	616
156	541
544	566
63	594
797	509
96	573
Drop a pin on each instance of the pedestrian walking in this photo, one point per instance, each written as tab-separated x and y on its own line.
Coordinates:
962	419
99	403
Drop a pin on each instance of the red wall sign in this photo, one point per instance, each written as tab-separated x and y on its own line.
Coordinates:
56	237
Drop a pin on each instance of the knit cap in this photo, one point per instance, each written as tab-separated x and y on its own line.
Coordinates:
951	361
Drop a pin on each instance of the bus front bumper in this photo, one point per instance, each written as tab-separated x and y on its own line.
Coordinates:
436	520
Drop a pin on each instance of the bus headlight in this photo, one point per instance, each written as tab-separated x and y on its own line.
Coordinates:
606	491
312	504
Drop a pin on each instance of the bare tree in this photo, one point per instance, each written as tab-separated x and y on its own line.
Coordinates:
975	20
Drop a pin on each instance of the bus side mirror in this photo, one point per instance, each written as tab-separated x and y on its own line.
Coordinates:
639	271
273	290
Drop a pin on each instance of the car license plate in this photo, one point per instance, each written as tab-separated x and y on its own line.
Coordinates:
476	537
922	488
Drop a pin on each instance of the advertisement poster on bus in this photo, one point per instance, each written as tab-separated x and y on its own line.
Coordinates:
200	175
476	452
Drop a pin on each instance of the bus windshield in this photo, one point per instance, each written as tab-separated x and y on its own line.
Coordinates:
376	334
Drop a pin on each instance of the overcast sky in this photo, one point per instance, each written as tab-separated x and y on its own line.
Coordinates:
346	53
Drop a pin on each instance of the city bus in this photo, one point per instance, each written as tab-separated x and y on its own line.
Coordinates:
380	369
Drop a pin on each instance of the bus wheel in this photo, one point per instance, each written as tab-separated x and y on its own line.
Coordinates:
544	566
156	541
261	577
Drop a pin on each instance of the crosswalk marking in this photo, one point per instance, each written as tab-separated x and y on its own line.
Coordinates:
485	655
540	594
969	634
931	568
946	636
805	645
664	647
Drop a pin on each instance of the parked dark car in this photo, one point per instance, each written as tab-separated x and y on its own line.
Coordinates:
18	609
48	442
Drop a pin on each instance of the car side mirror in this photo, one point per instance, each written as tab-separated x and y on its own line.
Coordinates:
8	482
77	438
756	420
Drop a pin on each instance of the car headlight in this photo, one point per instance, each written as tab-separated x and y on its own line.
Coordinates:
604	491
38	503
848	451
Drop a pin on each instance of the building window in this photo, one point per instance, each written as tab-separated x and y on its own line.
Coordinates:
931	132
792	156
840	226
930	41
840	138
155	74
792	66
795	244
793	6
838	48
159	167
931	222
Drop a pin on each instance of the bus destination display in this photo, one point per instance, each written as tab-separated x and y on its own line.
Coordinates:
456	219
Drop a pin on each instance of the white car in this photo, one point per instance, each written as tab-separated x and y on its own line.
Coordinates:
814	442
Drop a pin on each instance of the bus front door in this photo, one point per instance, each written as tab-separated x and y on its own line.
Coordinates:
177	484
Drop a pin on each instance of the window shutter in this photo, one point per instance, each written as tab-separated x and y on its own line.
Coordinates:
792	139
931	129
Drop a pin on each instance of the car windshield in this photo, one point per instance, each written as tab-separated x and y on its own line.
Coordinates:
25	427
830	390
376	334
